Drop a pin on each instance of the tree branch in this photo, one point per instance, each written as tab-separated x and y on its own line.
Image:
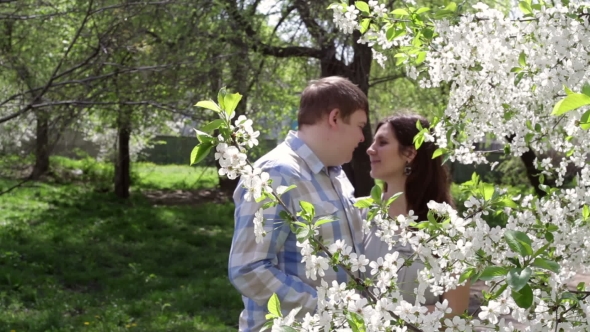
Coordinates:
93	103
55	71
259	46
385	79
15	186
87	79
314	29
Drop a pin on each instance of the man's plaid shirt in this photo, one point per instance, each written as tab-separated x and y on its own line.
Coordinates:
275	265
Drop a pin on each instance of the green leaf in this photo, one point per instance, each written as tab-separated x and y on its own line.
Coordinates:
586	212
421	57
543	248
546	264
422	10
400	11
285	216
438	152
522	59
220	95
365	25
525	7
393	198
508	202
492	272
581	286
487	190
390	32
324	220
586	89
200	152
308	208
451	6
428	33
213	125
524	297
364	202
467	274
376	194
209	104
362	6
571	102
203	137
516	70
356	322
269	204
519	242
282	190
443	13
517	278
268	325
549	237
231	101
274	305
585	120
499	291
302	233
518	78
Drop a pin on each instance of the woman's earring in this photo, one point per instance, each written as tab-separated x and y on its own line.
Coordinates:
408	169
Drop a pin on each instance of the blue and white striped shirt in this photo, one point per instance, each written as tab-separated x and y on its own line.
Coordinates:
258	270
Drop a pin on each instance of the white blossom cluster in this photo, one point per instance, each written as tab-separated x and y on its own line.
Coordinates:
478	56
232	158
481	58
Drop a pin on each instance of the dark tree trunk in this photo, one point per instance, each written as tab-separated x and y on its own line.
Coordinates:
528	159
358	73
41	146
122	161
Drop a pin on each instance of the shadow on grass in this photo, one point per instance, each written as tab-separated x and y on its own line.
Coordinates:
72	260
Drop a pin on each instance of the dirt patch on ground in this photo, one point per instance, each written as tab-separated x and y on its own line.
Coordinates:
186	197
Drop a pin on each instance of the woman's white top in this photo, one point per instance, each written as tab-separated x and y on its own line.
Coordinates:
407	276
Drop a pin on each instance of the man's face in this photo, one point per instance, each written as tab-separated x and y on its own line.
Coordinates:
349	135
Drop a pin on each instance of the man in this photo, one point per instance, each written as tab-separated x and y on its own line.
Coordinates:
332	114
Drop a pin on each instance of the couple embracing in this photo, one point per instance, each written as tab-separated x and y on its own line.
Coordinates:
331	117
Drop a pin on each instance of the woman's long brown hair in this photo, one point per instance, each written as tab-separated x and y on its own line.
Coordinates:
429	179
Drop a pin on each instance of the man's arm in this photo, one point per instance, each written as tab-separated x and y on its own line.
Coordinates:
252	266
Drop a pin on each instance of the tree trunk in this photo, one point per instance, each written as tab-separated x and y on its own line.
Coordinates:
122	161
41	146
528	159
358	170
239	83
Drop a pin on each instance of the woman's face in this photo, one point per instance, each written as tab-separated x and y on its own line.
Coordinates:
386	160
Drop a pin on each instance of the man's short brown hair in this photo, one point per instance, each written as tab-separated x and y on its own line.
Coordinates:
323	95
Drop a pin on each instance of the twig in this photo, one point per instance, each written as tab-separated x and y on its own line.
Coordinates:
15	186
55	71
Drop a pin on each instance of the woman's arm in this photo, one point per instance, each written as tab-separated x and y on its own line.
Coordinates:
457	298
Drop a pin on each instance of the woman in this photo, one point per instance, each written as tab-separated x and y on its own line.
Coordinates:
402	168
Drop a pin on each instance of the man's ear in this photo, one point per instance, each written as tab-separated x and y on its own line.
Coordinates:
334	118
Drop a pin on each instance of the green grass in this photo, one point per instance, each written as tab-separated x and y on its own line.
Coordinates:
174	176
76	259
144	175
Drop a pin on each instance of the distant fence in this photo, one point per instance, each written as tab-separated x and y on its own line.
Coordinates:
177	150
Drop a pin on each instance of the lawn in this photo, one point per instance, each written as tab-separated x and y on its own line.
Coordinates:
74	258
